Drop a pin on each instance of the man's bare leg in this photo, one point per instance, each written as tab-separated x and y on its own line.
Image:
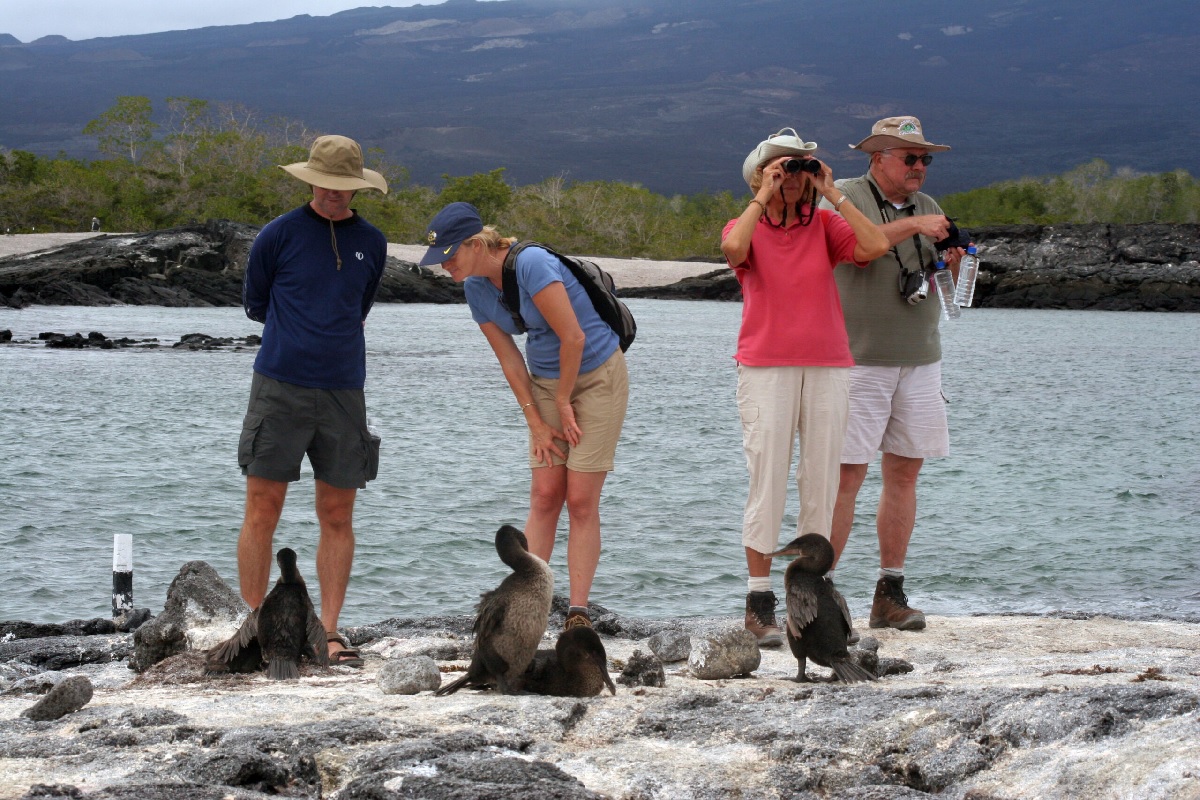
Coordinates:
852	477
897	508
264	504
335	551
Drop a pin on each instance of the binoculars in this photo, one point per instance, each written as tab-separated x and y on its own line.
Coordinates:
809	165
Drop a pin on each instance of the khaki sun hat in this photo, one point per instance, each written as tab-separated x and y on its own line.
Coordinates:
785	143
336	162
897	132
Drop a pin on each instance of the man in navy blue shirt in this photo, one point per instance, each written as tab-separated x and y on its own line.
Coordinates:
311	280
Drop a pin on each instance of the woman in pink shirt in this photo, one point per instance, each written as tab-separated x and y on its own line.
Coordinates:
793	355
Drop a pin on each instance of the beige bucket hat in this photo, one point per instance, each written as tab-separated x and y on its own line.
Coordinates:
897	132
336	162
785	143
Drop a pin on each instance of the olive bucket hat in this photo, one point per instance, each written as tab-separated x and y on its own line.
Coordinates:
336	163
785	143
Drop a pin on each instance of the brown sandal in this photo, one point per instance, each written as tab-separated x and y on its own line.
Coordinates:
345	657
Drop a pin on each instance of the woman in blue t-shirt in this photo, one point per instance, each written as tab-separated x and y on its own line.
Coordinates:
573	392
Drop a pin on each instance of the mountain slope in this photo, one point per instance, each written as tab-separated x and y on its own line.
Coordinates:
671	95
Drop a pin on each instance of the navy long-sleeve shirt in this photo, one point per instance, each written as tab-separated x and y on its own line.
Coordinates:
313	311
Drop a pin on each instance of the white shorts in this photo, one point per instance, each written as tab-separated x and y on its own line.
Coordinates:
898	410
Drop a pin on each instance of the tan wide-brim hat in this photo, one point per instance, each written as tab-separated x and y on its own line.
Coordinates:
336	162
897	132
785	143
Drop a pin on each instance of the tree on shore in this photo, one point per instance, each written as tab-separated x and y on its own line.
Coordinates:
124	129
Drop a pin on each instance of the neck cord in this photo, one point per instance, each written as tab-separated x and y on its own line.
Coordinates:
333	238
805	219
883	214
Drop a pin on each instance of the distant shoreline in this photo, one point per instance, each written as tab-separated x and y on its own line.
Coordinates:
627	272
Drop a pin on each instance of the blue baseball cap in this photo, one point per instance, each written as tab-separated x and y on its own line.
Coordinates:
452	226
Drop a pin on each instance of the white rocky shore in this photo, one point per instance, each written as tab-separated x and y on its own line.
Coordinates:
994	707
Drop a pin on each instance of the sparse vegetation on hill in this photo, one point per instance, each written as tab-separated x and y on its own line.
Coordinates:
1089	193
220	162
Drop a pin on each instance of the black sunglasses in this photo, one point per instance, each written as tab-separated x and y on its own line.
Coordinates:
910	159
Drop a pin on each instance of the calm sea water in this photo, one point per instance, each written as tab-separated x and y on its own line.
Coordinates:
1073	486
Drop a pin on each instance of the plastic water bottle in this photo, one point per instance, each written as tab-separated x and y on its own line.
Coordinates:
968	268
944	281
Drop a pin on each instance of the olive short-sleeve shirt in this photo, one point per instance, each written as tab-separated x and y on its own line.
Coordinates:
884	329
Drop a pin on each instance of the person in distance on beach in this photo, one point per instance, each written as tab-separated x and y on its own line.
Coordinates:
573	391
311	279
896	402
792	357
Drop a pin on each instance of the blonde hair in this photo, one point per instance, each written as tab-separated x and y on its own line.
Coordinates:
756	178
492	239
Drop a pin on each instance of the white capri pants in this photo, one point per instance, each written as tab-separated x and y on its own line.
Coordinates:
776	404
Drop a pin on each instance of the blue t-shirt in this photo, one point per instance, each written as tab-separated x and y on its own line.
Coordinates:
312	311
536	269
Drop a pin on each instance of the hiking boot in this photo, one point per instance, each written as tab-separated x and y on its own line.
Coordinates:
760	619
890	607
577	618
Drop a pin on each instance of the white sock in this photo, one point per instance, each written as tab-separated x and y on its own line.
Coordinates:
759	584
891	572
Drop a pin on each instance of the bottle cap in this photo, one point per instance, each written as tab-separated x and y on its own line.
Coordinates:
971	249
940	265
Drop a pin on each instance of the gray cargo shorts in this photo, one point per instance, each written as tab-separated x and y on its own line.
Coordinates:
284	422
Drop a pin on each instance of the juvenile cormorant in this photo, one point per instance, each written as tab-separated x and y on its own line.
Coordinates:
818	620
576	667
284	629
511	619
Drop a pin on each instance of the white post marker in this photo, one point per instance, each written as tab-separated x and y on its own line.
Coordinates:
122	598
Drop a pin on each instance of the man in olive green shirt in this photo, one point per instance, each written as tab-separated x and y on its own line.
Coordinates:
896	403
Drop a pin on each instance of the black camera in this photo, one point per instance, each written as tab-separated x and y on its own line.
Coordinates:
955	237
809	165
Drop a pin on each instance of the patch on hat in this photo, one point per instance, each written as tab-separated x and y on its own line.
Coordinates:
432	238
897	132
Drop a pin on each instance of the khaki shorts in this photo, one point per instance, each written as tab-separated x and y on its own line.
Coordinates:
898	410
599	400
284	422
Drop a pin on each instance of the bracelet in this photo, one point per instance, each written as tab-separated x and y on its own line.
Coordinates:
527	405
760	204
838	204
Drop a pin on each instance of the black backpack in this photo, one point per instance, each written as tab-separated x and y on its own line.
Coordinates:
598	284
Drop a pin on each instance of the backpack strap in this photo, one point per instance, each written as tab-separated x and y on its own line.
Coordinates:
510	295
596	283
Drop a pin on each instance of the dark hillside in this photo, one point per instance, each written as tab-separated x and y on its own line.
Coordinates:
667	94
